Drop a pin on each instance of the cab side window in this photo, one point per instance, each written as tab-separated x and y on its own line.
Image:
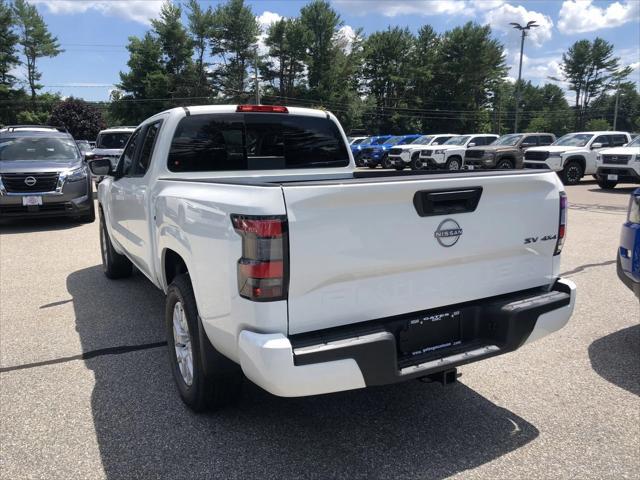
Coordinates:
545	140
529	141
603	139
618	140
146	150
126	161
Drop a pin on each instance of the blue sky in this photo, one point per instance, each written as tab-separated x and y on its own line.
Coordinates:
94	33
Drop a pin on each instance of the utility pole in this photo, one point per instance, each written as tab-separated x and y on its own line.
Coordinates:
517	26
615	109
256	83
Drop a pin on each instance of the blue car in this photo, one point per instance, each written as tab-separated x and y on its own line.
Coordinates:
356	150
629	251
378	154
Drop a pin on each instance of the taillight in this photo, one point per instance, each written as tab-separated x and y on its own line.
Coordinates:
263	269
262	108
562	223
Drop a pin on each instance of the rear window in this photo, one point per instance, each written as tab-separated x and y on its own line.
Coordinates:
113	140
255	142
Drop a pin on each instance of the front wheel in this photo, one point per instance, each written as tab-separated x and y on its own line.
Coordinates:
386	163
606	184
201	387
572	173
454	164
505	164
114	265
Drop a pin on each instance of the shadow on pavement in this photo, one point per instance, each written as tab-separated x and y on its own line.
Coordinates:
143	429
616	358
45	224
620	190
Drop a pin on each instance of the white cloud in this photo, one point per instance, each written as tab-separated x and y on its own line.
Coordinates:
346	35
265	20
407	7
141	11
579	16
499	19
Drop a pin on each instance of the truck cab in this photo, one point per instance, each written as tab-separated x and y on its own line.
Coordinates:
620	164
574	155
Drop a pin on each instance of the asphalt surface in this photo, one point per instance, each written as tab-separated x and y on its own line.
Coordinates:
74	405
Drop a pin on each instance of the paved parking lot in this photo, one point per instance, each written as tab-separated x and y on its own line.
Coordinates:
75	404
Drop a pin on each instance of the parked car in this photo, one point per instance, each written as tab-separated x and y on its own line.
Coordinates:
402	156
629	252
110	143
43	173
450	155
621	164
574	155
378	154
257	237
506	152
356	140
356	150
84	146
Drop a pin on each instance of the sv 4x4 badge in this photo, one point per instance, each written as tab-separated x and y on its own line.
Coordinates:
536	239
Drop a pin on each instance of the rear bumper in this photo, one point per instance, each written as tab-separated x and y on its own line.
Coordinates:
625	174
368	354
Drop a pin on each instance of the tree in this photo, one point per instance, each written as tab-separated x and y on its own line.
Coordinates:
475	67
322	22
590	68
36	41
286	40
8	47
597	124
177	49
81	119
200	28
234	36
628	107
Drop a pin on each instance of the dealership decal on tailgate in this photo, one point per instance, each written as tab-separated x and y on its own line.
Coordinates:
431	332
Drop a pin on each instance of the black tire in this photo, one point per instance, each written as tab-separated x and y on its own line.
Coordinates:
572	173
358	159
453	162
90	216
372	165
385	162
505	164
606	184
214	384
416	163
114	265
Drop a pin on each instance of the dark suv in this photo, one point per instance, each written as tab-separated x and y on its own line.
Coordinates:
43	173
507	151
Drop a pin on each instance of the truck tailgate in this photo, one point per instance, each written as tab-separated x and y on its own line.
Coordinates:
361	250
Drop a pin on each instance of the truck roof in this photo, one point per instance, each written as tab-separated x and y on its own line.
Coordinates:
204	109
600	132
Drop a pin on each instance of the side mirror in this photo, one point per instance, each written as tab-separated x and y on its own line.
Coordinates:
472	144
596	145
89	156
101	167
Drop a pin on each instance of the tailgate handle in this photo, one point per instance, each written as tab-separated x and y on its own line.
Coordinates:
429	203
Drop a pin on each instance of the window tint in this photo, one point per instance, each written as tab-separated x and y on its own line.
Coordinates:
530	141
618	140
545	139
255	142
146	151
112	140
129	153
603	139
479	141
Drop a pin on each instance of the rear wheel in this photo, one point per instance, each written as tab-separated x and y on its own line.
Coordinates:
416	163
454	163
572	173
606	184
386	163
201	387
506	164
114	265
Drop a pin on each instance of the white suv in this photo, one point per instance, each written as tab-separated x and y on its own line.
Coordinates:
402	155
574	155
621	164
450	154
110	143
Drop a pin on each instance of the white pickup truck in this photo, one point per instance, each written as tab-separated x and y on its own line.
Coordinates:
255	223
620	164
402	156
574	155
450	154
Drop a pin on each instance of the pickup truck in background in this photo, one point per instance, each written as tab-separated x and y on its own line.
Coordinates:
574	155
450	155
620	164
110	143
252	219
628	258
506	152
402	156
378	153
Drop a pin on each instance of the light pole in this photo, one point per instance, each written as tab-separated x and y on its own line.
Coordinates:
517	26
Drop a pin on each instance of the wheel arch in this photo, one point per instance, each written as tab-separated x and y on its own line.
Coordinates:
576	158
173	264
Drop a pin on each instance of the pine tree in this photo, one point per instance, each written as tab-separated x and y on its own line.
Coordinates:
8	46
